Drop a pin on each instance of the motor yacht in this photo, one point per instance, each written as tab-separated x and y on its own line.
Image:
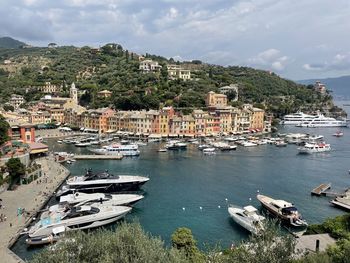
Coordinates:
112	199
322	121
73	218
101	182
283	210
247	217
118	149
314	148
296	118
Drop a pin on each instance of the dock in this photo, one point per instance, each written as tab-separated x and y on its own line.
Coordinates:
321	189
98	157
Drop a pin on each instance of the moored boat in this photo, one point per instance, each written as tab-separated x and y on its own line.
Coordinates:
111	199
283	210
338	134
73	218
247	217
117	149
101	182
314	148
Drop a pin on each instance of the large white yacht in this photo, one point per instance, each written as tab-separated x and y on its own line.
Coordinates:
118	149
112	199
322	121
101	182
57	221
247	217
296	118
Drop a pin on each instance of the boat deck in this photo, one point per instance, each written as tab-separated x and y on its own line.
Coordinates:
98	157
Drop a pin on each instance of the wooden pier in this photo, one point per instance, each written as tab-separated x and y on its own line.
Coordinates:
321	189
98	157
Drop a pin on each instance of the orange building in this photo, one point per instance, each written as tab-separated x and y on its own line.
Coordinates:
22	132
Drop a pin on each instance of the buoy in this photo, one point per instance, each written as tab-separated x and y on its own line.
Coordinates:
219	206
183	208
250	199
226	199
257	191
200	208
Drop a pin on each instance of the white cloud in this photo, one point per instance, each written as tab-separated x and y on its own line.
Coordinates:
339	62
220	31
270	58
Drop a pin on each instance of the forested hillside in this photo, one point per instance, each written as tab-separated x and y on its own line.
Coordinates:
117	69
8	42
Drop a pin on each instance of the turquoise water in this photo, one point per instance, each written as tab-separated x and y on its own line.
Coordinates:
190	180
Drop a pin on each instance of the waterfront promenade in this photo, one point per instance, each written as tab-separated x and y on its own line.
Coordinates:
30	197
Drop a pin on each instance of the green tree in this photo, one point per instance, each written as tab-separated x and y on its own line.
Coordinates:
4	128
8	107
15	169
270	246
183	240
129	244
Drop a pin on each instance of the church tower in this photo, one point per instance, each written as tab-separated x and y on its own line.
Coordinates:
73	93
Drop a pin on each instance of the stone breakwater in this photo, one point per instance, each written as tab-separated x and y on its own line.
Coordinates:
30	198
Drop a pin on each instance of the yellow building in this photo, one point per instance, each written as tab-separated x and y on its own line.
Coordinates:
257	121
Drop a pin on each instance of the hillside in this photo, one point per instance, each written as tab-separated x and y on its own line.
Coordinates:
8	42
339	86
117	69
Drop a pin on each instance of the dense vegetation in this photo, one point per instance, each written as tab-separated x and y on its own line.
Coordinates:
129	243
4	127
15	169
116	69
339	228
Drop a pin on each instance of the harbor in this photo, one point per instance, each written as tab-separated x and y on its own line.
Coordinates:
209	183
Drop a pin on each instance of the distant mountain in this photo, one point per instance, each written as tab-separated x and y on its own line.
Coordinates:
8	42
340	86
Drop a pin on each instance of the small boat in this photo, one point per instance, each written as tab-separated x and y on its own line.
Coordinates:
247	217
283	210
338	134
162	150
209	151
59	141
82	144
314	148
248	144
280	144
203	146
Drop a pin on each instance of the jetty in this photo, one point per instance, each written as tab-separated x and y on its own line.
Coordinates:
321	189
32	197
98	157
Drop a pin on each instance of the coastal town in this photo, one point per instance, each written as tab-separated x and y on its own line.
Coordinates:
219	118
174	131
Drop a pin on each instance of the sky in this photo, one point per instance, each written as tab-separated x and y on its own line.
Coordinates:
297	39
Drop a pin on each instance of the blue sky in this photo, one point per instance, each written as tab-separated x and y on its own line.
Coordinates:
296	39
